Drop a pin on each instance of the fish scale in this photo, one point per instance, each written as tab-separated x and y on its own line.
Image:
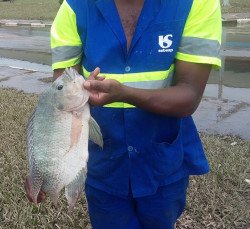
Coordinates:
57	139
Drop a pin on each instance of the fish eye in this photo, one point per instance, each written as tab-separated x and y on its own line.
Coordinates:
59	87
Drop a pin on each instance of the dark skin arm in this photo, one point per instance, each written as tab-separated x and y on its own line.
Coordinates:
180	100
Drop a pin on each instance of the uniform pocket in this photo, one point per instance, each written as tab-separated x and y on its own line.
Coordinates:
166	158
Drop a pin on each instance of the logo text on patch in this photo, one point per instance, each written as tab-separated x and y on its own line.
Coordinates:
165	43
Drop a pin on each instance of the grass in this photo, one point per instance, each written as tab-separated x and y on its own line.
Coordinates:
237	6
221	198
217	200
15	210
46	80
4	79
29	9
46	9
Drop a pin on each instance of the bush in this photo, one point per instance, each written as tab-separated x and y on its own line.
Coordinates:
60	1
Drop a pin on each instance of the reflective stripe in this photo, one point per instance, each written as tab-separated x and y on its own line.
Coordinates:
200	47
119	105
67	63
156	84
216	62
202	31
136	77
65	40
64	30
142	80
63	53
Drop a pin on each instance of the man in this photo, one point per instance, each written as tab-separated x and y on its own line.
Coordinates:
155	57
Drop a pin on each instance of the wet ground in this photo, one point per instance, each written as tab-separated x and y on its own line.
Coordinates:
225	109
25	43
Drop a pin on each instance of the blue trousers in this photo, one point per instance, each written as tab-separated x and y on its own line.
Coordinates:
158	211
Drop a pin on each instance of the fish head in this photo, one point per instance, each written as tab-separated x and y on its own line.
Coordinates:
68	93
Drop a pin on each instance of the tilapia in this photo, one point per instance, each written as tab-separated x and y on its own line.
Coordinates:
57	139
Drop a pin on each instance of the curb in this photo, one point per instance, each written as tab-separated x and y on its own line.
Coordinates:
243	20
31	23
235	21
37	23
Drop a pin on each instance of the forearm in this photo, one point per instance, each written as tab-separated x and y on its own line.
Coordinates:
178	101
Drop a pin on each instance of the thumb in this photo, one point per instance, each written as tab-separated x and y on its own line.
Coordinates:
86	85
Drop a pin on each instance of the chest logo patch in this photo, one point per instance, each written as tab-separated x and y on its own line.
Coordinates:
165	42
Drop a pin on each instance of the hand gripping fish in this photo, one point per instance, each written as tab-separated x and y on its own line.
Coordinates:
57	139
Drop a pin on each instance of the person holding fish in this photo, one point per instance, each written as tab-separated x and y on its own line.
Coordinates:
147	63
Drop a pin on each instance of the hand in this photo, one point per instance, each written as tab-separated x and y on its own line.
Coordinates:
27	186
103	91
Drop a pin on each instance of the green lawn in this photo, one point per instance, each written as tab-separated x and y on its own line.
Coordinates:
219	200
237	6
29	9
46	9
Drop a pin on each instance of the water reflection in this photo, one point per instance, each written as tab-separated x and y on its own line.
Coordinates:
225	108
235	70
25	43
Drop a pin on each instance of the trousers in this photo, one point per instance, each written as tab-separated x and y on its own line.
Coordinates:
157	211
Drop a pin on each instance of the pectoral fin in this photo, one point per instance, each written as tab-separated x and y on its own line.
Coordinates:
95	134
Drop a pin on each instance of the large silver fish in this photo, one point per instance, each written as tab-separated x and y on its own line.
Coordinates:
57	139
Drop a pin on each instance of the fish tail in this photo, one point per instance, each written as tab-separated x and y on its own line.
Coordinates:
74	189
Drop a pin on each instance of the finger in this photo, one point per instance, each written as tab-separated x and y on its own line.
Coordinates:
100	78
95	85
95	100
93	75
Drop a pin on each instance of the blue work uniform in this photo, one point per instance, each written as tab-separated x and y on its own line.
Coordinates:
144	154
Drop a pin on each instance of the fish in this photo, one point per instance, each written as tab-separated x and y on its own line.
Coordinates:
58	132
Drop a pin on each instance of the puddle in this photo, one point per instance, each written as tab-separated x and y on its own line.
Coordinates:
225	108
25	43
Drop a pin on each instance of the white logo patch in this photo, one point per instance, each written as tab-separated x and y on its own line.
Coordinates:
165	43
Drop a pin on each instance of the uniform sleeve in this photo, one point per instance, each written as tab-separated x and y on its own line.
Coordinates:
66	45
201	38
